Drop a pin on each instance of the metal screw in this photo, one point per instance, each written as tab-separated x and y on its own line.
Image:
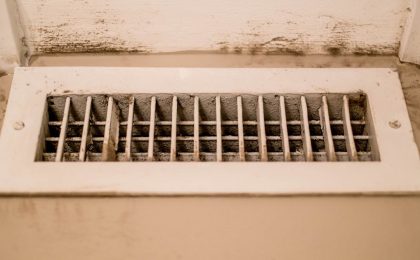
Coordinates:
394	124
18	125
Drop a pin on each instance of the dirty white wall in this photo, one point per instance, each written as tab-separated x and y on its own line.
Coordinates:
248	26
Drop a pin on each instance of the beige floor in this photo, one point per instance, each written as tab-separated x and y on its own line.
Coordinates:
289	228
301	227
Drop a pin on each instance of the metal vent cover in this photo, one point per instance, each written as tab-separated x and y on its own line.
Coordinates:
209	127
34	130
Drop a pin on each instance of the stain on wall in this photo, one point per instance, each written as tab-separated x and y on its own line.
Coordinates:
365	27
59	40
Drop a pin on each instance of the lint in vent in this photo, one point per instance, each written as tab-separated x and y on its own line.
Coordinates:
209	127
192	131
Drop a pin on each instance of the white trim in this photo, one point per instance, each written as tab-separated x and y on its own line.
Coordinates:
397	172
269	26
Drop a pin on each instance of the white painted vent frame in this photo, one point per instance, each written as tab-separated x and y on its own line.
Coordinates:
396	172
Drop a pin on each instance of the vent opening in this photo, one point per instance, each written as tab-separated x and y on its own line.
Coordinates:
208	127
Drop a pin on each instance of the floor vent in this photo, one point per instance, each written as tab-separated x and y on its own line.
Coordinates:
207	131
208	127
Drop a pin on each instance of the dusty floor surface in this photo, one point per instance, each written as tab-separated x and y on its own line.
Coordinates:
409	74
326	227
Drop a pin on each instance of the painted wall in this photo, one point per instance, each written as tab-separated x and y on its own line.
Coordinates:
374	228
269	26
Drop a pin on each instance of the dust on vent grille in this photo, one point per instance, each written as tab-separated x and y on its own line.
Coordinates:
208	127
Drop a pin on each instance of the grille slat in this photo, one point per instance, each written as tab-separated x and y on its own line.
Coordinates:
306	135
254	156
208	127
218	130
196	129
262	139
174	128
209	138
284	133
151	129
241	139
326	129
224	123
63	131
348	131
129	132
86	134
111	137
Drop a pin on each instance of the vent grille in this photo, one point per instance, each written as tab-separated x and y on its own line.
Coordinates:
208	127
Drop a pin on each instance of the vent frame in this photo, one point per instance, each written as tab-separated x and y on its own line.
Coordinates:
397	172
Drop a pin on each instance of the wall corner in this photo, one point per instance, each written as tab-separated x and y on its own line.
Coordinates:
13	51
410	41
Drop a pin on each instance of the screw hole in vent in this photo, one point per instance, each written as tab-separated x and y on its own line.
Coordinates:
208	127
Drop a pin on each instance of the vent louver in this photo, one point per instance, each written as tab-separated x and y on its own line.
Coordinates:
208	127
